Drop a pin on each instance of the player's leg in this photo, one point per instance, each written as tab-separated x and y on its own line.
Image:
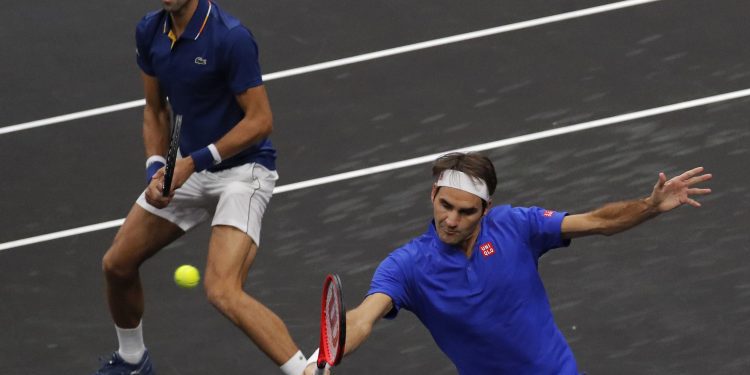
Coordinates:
244	193
230	255
146	230
140	237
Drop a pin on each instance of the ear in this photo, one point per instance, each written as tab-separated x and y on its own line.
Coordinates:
433	193
487	209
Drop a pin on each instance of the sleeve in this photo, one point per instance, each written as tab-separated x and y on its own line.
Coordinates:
545	229
143	47
390	279
243	67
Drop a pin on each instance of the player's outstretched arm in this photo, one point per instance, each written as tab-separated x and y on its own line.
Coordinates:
620	216
359	323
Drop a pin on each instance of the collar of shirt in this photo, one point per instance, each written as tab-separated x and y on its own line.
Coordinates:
196	25
452	250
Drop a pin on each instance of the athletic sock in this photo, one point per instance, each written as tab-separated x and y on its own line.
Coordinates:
131	343
295	365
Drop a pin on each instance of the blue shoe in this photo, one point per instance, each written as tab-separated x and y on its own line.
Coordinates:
117	366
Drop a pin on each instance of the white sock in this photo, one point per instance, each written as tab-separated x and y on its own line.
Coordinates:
131	343
295	365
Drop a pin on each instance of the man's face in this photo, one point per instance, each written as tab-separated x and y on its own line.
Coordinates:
457	214
174	6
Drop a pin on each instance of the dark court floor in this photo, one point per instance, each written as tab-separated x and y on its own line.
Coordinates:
669	297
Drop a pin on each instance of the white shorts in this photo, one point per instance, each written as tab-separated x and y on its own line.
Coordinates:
236	197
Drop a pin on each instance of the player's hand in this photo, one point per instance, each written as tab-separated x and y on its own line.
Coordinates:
670	194
310	370
183	168
153	191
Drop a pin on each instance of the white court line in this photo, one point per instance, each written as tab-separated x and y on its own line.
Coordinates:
425	159
352	60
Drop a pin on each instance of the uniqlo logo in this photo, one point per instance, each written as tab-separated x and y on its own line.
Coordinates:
548	213
487	249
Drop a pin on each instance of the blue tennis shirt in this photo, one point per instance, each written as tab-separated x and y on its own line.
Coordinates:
489	313
201	72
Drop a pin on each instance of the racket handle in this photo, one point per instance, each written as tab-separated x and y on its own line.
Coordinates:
320	371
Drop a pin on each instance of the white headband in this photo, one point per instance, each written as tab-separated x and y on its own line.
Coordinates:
462	181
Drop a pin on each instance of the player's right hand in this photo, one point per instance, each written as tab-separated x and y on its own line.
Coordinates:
154	189
310	370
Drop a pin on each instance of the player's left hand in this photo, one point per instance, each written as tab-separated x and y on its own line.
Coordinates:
672	193
183	168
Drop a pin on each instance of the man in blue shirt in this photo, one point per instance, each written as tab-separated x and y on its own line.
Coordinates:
472	278
201	63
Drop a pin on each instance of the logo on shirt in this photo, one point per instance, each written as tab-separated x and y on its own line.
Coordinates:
487	249
548	213
200	61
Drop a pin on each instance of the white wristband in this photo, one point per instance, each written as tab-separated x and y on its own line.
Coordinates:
295	365
313	357
215	153
154	158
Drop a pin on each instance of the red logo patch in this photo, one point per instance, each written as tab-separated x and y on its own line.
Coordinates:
548	213
487	249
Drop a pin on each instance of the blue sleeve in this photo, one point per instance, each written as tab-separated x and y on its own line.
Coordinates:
545	229
390	279
243	67
143	46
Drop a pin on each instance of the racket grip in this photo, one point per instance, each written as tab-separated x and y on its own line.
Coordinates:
320	371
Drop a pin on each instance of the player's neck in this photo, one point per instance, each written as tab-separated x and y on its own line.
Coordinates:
181	17
467	245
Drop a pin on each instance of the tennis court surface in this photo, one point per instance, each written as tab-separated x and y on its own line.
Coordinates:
669	297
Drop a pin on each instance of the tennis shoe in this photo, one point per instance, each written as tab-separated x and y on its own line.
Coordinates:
117	366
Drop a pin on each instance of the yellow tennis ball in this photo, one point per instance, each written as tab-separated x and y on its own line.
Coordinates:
187	276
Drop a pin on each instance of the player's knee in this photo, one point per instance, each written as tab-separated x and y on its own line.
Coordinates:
219	295
115	269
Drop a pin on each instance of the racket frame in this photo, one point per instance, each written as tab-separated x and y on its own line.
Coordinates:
332	318
174	145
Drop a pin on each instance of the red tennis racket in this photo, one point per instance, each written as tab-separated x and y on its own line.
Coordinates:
332	324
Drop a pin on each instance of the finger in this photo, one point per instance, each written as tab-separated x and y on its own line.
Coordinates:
662	180
696	191
701	178
693	202
690	173
159	173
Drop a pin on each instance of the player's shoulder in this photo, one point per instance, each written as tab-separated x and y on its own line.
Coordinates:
150	22
230	29
413	250
507	215
151	19
501	211
224	20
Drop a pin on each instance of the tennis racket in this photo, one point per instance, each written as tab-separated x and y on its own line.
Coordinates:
332	324
174	145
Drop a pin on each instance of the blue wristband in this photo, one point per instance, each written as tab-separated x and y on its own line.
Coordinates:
151	170
202	159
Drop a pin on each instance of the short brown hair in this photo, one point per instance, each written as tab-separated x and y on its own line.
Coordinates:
472	163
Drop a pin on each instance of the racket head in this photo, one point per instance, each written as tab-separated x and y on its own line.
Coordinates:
332	322
174	145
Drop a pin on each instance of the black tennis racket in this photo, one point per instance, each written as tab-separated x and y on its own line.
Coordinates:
332	324
174	145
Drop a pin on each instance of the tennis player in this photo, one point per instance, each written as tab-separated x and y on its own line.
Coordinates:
206	64
472	278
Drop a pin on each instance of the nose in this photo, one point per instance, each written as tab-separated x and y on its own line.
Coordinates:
452	219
